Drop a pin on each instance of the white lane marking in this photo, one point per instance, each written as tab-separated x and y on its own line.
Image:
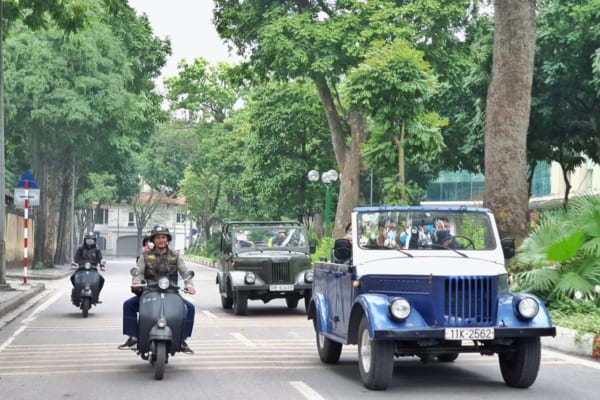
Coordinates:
209	314
30	318
572	359
306	390
243	339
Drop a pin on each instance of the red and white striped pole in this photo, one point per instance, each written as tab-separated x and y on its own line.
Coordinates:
25	235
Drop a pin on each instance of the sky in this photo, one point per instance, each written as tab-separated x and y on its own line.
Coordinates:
188	24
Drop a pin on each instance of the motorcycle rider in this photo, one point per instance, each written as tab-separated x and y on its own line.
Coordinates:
152	261
88	252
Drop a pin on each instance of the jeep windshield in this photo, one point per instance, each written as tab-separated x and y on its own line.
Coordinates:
423	228
269	238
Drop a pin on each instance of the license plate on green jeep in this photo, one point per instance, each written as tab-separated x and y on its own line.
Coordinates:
281	288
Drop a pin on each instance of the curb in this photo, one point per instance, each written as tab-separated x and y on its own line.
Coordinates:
15	301
568	340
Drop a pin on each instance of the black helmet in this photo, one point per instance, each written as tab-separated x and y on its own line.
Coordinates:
89	235
160	230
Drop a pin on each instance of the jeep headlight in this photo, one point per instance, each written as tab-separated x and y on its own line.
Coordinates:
400	309
250	278
528	307
163	283
309	276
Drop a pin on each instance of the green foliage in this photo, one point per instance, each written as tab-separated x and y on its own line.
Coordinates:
324	248
563	263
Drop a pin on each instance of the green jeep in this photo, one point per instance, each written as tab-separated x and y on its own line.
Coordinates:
264	260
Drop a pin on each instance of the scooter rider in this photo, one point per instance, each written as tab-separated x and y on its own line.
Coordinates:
89	252
159	258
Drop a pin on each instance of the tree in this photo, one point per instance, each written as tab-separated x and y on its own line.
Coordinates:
507	115
393	86
69	16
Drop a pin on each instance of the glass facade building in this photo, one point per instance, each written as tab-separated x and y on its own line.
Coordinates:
465	186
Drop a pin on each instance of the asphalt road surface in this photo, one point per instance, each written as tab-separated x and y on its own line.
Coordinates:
51	352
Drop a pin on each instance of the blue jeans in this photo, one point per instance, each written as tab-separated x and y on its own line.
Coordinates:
130	319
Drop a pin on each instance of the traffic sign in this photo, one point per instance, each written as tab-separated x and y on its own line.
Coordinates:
27	189
27	177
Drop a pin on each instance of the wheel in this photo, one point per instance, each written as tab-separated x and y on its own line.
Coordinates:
520	366
85	306
329	351
226	302
375	359
160	360
240	303
447	357
292	302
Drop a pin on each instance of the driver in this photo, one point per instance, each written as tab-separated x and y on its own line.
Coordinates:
152	261
442	235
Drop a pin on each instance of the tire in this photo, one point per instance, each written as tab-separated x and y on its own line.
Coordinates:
447	357
292	302
375	359
329	351
240	303
85	306
226	302
160	360
520	367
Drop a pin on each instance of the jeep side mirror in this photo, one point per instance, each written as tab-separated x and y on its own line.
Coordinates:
508	247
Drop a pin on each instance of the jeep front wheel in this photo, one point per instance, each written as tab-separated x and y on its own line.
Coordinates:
375	359
240	302
520	366
292	302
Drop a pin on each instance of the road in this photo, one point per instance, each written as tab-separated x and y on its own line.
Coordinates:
51	352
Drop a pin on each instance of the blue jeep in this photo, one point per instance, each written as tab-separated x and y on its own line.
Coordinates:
427	282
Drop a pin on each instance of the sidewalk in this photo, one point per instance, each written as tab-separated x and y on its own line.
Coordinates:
566	340
16	291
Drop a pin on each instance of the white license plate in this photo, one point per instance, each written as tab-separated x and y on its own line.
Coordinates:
281	288
469	333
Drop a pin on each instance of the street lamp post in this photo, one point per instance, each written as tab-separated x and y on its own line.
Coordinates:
327	178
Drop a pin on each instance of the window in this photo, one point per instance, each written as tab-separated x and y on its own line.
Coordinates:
101	216
131	220
181	218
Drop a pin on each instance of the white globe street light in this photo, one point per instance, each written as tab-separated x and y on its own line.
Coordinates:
327	178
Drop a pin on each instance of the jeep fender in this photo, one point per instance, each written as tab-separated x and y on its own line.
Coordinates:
317	311
509	317
376	307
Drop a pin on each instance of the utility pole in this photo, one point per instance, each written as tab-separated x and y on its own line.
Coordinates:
2	162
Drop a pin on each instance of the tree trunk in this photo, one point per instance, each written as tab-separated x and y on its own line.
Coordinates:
347	157
507	115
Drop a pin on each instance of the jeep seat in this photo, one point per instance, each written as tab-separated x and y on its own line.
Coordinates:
342	251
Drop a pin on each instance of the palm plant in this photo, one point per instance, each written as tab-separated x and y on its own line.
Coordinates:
563	252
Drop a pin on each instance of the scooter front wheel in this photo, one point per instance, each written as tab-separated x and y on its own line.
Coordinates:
85	306
160	360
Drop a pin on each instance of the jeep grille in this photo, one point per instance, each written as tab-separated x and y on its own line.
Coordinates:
281	272
469	301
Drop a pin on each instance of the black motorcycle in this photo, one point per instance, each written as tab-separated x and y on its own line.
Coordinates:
87	283
162	314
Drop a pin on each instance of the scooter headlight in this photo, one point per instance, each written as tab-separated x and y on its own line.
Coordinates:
528	307
162	322
87	265
400	309
164	283
309	276
250	278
